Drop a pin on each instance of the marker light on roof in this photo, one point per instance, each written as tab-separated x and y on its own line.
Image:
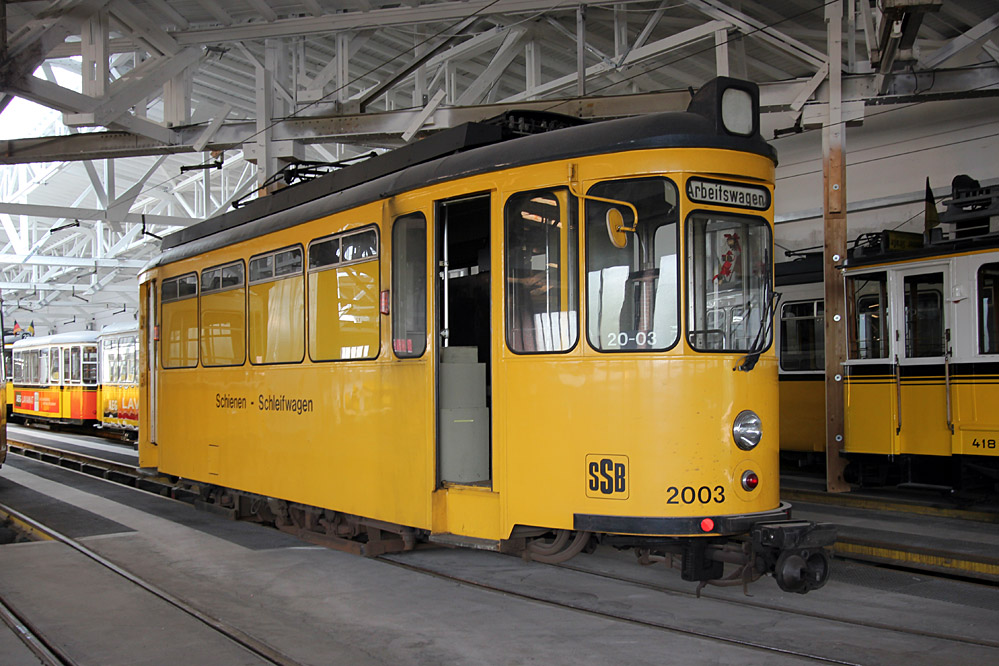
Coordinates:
737	111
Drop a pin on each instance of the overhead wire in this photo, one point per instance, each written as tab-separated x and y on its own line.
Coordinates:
457	22
644	71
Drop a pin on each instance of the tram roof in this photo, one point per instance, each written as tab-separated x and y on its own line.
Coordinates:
57	339
119	327
467	150
935	250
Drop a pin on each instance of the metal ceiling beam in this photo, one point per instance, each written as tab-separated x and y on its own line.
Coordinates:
750	26
8	286
65	100
29	47
71	262
373	19
135	86
961	42
386	128
90	214
143	28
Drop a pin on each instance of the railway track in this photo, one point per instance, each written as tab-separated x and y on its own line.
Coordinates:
593	572
46	653
775	615
44	646
850	546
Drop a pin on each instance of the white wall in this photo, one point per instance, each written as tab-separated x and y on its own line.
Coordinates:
890	155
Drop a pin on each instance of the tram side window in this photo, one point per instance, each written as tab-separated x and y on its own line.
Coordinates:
802	336
179	347
75	365
26	367
867	314
54	373
277	307
130	356
43	366
344	320
988	309
409	286
109	361
924	315
729	289
542	259
90	364
632	291
223	316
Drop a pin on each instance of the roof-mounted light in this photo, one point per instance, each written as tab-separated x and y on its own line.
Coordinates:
737	111
732	106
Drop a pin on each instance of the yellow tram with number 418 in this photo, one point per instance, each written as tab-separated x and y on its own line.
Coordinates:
530	335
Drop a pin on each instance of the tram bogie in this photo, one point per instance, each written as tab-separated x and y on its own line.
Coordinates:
527	344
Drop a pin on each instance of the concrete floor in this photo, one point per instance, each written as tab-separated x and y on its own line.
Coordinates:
318	606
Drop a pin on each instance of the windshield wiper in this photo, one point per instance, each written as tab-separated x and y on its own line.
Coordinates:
748	362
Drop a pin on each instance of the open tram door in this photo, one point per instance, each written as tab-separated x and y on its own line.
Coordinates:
464	364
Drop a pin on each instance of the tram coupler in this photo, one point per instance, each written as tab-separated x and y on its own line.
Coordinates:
697	561
794	552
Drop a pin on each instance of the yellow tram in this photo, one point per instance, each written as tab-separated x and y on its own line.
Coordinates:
8	359
55	378
801	356
5	368
118	400
495	338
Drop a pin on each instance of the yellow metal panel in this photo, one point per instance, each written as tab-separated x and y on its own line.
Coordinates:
977	422
468	510
118	405
802	415
870	416
223	328
352	435
277	321
924	418
670	416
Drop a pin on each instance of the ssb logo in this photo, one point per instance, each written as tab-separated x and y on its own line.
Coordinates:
607	477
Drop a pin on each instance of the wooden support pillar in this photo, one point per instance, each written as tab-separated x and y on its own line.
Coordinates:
834	180
581	51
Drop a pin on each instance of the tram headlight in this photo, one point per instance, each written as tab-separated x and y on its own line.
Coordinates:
747	430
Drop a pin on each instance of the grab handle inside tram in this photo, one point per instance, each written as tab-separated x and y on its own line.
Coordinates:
898	395
947	355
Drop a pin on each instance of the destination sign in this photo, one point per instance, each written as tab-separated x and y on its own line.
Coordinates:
721	193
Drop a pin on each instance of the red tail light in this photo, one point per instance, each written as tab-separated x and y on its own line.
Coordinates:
750	480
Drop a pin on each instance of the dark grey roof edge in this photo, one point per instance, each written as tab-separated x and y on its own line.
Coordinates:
662	130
